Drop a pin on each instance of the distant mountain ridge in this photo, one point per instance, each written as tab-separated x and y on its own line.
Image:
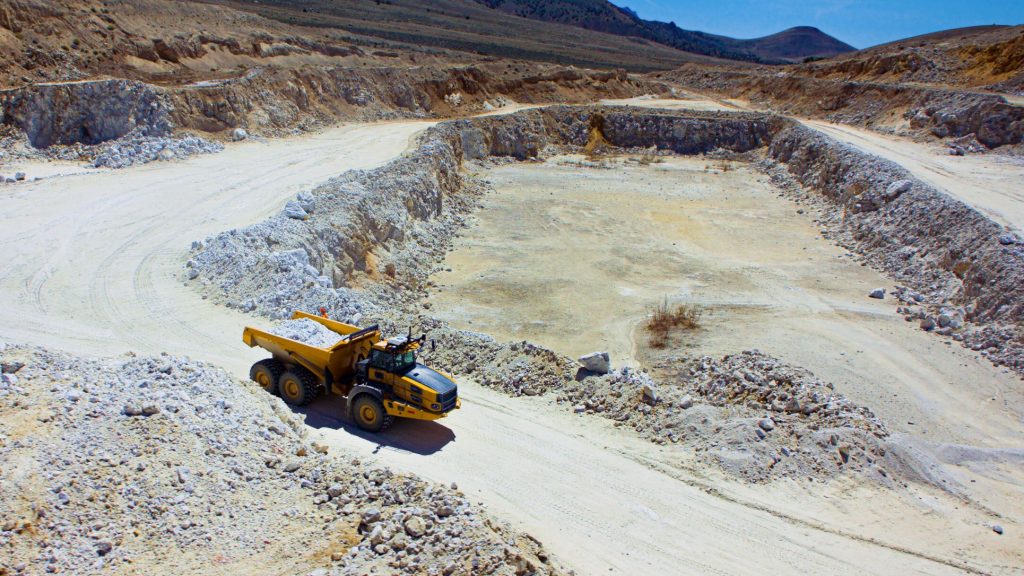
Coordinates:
792	45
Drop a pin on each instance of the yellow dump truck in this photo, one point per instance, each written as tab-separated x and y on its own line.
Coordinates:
381	379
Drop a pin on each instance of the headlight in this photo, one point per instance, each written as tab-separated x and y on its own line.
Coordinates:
435	407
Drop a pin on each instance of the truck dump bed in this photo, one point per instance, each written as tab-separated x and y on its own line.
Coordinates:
339	360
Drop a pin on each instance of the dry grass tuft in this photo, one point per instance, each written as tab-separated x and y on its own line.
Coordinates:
648	158
664	318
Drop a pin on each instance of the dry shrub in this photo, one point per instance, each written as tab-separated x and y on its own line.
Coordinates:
648	158
596	144
664	318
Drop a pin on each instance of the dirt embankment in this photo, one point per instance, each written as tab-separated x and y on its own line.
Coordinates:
967	267
901	108
70	119
149	465
274	101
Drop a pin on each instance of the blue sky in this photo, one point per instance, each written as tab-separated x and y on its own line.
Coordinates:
861	23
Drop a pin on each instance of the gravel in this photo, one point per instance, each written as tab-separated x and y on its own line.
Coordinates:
93	487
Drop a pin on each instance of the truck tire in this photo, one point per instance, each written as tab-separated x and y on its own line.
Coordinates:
266	373
368	413
298	386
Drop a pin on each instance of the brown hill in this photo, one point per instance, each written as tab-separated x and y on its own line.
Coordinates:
796	44
792	45
472	27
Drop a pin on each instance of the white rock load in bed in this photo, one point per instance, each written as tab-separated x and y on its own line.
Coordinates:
307	331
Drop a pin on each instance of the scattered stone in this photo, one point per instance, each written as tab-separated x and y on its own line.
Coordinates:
306	201
415	526
897	188
927	324
997	529
596	362
371	515
650	394
239	134
766	424
11	367
294	210
878	293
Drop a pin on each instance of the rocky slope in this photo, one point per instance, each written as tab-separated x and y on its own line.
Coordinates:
902	108
149	465
982	57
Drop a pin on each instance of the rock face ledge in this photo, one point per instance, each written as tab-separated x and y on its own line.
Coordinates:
85	112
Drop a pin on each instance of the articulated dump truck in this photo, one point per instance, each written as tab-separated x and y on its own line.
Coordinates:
380	379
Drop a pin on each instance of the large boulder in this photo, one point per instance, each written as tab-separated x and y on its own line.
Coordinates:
597	362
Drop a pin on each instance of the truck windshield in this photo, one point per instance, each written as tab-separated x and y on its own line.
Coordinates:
405	361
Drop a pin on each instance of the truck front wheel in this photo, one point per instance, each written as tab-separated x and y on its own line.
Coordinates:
369	414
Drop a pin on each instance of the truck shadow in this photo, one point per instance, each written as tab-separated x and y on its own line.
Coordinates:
417	436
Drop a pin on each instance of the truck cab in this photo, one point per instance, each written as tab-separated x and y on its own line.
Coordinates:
392	368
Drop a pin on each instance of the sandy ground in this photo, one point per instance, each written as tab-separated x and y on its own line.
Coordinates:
574	258
93	264
690	102
990	183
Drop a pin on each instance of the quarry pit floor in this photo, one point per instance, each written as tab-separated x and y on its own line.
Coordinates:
574	257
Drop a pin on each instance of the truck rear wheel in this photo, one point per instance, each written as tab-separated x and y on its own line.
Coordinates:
266	373
297	386
369	414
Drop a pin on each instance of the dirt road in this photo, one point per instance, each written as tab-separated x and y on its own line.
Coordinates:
608	503
990	183
93	259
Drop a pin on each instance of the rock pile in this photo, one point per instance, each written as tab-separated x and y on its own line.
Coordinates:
137	148
163	464
749	413
516	368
